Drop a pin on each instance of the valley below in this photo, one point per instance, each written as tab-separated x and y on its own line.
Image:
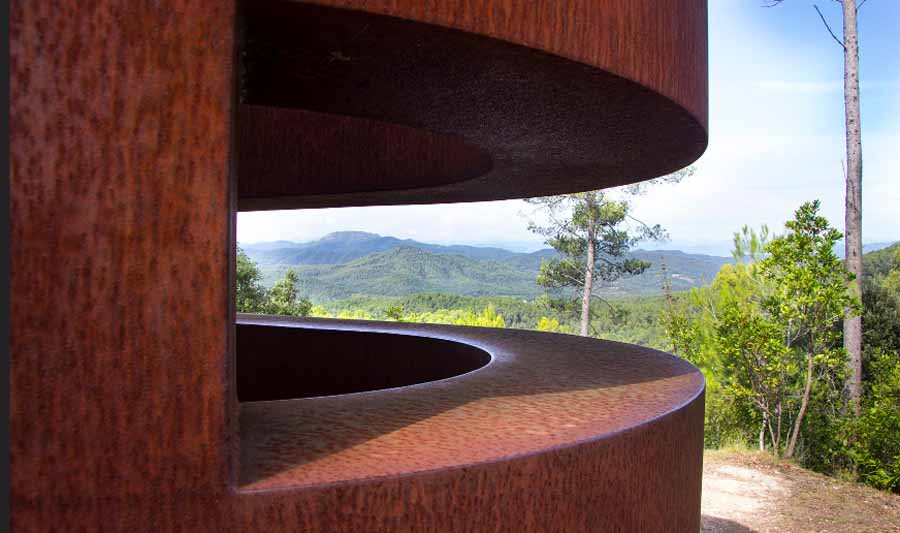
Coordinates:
351	263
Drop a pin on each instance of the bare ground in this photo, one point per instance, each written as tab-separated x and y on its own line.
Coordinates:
745	491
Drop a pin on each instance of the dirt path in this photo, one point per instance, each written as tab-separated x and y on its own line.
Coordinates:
751	492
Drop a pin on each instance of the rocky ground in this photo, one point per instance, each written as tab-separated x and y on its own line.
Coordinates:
752	492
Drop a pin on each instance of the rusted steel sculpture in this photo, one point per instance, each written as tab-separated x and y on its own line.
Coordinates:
141	402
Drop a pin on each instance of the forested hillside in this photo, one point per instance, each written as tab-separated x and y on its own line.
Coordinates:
345	246
356	263
403	271
878	263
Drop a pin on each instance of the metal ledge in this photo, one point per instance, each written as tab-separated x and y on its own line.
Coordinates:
540	392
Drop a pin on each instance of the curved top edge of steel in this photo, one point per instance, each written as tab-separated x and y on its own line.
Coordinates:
540	391
381	102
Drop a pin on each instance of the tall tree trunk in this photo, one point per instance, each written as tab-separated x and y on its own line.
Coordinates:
762	432
853	204
804	402
588	284
776	439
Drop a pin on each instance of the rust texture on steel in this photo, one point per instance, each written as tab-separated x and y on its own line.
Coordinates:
138	129
343	107
119	153
538	392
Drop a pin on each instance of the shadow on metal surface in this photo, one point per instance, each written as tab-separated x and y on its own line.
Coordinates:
535	383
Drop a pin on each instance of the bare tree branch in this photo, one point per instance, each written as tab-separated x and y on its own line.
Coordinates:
825	22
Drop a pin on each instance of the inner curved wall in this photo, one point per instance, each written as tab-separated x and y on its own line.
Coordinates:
280	363
285	151
340	107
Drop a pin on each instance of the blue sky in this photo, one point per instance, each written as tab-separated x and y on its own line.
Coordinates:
776	140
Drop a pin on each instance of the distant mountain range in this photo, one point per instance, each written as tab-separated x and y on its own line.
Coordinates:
867	247
347	263
345	246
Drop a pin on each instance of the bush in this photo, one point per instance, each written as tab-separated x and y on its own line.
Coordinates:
876	449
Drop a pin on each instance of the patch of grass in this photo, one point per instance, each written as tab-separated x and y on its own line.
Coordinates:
735	446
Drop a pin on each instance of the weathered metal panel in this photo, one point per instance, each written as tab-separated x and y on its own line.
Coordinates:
123	411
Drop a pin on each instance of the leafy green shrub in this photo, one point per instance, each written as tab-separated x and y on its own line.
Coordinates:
876	448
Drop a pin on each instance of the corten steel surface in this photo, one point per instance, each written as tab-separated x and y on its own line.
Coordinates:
342	107
121	244
538	392
341	361
130	124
